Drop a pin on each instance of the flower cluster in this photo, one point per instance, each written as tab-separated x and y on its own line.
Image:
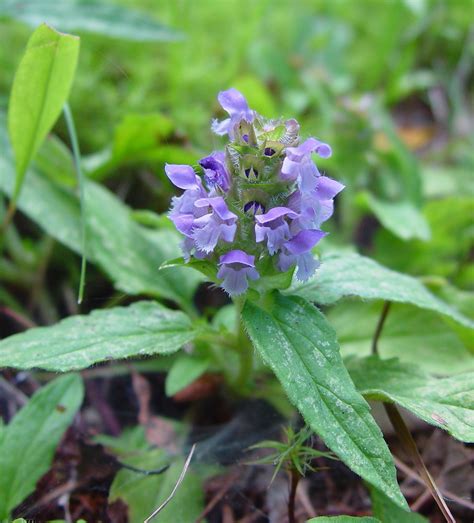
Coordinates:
262	199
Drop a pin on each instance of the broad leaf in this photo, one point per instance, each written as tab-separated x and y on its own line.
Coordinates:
354	275
184	371
143	494
32	436
298	344
94	16
80	341
447	403
40	88
414	335
129	253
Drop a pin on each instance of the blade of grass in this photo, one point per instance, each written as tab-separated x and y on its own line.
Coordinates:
80	177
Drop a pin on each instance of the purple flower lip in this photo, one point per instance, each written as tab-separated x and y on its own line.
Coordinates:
307	147
304	241
274	214
235	104
269	151
218	205
237	256
215	171
183	176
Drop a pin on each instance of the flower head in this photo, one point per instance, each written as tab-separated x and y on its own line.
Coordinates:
259	203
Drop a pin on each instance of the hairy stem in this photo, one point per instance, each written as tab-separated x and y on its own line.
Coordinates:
380	324
244	349
294	480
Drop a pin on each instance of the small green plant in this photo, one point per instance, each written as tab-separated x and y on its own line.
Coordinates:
251	218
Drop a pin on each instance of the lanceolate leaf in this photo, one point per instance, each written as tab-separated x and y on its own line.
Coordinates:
95	16
31	438
128	252
447	403
80	341
41	86
296	341
353	275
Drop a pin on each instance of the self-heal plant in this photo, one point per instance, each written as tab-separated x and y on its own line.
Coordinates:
256	208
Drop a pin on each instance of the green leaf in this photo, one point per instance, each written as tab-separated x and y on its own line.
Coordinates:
447	403
94	16
354	275
401	218
388	512
80	341
127	252
143	494
298	344
414	335
40	88
184	371
346	519
32	437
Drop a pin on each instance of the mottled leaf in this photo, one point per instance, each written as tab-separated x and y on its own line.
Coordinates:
32	436
80	341
447	403
298	344
345	275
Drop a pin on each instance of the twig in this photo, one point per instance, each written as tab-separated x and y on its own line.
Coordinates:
410	447
446	493
23	321
380	324
175	488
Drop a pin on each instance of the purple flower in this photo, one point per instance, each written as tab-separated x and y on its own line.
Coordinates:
236	106
298	165
316	206
235	269
183	211
297	251
215	171
273	227
218	223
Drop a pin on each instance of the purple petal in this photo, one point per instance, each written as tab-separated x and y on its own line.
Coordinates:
215	170
183	176
273	214
328	188
221	127
184	223
218	206
237	256
307	266
304	241
307	147
233	101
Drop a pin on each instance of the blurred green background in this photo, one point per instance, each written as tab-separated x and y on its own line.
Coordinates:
386	83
